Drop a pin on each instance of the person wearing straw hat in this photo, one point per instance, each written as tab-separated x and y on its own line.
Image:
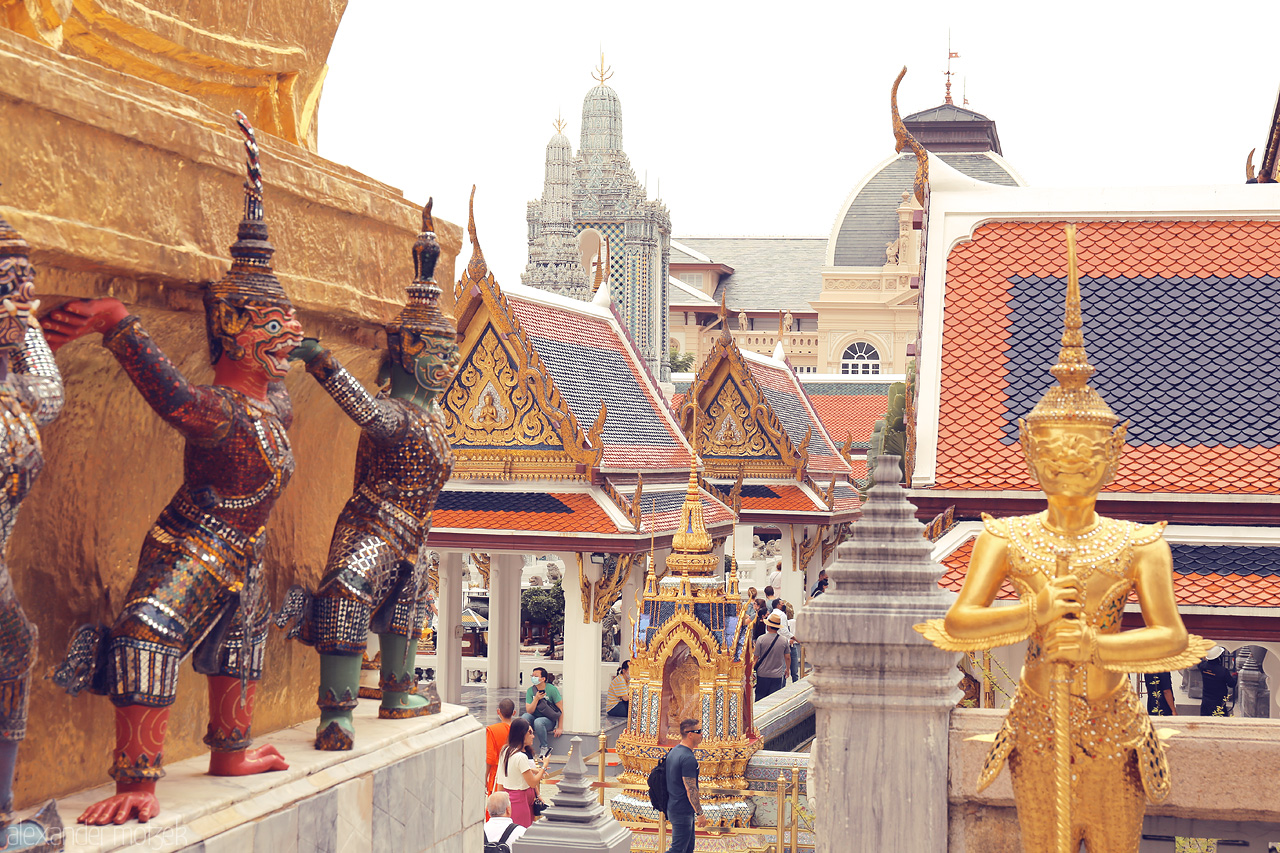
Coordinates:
771	659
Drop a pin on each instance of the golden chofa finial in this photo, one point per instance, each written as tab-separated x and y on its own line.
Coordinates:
1072	401
692	541
558	124
602	74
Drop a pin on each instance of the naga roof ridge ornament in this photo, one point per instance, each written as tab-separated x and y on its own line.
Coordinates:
477	267
906	140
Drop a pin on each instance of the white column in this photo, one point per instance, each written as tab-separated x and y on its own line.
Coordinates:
815	561
504	620
448	643
629	612
792	578
743	549
582	686
876	681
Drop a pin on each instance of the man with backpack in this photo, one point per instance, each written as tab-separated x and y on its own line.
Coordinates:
684	804
499	829
771	658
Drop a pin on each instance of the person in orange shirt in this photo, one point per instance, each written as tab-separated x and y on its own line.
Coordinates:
496	739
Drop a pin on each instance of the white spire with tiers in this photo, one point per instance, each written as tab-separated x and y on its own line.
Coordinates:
554	263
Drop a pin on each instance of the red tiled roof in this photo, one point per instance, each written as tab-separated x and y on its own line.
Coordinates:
661	510
854	413
591	362
791	405
789	498
1224	590
587	516
859	466
846	498
973	439
1190	589
957	565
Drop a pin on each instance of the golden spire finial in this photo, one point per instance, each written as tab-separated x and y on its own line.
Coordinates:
692	538
558	124
1072	400
477	269
1073	368
602	74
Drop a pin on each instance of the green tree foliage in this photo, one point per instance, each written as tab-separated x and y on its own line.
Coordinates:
890	432
681	362
546	605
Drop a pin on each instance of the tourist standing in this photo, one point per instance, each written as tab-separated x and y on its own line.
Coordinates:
771	662
762	613
1218	681
684	804
1159	694
792	649
542	707
518	774
496	738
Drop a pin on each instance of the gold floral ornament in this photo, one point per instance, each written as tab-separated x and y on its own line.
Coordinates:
1081	750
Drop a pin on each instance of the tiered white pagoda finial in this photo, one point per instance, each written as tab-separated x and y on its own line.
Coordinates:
554	262
608	201
601	115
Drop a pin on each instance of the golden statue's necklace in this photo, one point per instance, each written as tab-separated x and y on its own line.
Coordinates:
1102	549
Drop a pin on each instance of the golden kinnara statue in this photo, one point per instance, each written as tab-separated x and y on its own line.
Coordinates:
1080	748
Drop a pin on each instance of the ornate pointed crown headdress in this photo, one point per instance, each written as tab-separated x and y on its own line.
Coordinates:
421	317
1072	400
250	277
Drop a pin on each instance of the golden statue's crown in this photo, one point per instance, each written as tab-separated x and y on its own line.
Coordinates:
1072	400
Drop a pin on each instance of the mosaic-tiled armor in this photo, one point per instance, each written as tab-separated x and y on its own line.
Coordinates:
376	575
30	399
1080	749
198	589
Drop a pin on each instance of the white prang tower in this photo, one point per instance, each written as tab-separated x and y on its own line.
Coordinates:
606	198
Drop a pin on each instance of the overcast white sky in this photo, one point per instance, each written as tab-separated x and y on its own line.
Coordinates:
759	118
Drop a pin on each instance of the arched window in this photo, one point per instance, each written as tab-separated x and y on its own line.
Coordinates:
861	358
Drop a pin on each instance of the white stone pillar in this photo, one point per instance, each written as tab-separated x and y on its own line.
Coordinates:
582	687
504	620
879	684
742	548
449	625
792	576
814	565
629	611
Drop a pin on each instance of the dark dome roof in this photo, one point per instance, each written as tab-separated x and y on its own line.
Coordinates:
870	217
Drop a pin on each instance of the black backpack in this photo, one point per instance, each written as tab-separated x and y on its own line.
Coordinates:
658	786
501	845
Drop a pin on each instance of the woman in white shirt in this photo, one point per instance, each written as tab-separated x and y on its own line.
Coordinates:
518	775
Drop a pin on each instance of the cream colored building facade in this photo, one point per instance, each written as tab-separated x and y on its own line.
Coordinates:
846	304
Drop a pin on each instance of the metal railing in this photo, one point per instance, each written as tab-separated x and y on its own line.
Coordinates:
786	789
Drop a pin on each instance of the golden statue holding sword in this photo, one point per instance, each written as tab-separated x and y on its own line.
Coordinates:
1079	746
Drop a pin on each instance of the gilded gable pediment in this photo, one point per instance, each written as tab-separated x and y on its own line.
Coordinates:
488	406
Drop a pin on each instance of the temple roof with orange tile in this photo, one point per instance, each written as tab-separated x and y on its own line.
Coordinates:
591	361
1203	575
1181	319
